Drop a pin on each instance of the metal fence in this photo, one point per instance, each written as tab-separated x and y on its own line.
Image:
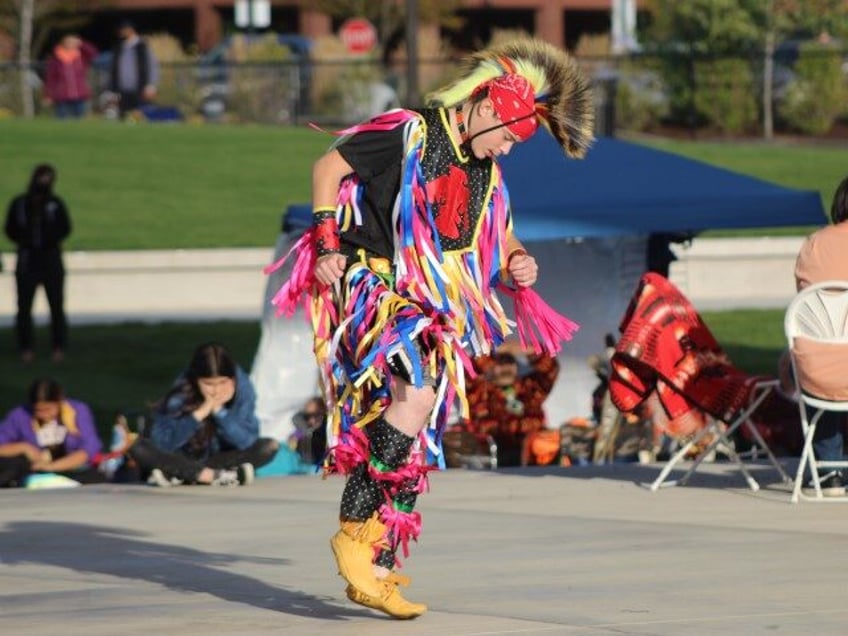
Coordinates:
635	92
285	92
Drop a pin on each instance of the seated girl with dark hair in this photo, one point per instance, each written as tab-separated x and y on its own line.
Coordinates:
49	434
205	429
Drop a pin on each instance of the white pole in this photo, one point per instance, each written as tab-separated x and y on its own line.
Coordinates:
623	26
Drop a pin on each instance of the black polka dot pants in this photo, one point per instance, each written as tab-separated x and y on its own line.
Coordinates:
363	495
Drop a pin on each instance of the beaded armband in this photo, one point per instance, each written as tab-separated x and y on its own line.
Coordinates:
326	230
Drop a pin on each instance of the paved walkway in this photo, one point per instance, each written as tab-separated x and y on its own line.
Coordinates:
530	552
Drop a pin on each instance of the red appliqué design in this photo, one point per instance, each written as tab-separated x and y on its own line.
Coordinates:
449	197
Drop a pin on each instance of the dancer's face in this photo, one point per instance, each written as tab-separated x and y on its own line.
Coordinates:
497	139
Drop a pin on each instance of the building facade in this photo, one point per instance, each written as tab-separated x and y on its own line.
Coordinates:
204	22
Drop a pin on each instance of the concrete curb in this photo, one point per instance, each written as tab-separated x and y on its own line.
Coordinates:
156	285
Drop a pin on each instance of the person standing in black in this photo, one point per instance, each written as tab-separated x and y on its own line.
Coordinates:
37	221
134	72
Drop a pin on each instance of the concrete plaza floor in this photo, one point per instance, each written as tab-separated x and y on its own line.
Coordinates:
524	551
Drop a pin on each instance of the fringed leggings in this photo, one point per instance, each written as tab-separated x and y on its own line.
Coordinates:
366	492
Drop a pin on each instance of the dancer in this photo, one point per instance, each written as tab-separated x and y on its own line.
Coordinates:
412	235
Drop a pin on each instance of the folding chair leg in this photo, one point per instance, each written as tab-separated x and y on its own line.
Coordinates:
802	464
659	482
759	441
734	456
670	464
724	436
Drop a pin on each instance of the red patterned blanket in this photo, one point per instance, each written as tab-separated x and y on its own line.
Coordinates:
665	346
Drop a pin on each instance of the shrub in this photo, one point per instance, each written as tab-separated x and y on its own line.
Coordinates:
641	101
264	81
177	86
725	94
816	97
339	80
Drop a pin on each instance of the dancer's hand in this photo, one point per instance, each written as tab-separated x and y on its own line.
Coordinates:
330	268
523	269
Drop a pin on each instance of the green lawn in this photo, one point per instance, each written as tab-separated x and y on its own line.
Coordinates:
122	367
128	366
148	186
165	186
752	338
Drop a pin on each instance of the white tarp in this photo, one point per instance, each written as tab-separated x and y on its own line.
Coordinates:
591	281
284	372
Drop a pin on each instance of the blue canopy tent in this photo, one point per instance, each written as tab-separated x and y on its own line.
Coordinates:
622	189
588	223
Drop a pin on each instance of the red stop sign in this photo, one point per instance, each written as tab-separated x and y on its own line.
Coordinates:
358	35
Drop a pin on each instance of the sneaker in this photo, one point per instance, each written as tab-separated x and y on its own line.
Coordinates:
832	486
225	477
246	474
158	478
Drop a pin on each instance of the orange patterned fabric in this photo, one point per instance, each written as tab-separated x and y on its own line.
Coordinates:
509	414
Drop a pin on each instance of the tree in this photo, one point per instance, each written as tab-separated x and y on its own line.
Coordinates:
390	18
689	36
778	19
731	27
708	27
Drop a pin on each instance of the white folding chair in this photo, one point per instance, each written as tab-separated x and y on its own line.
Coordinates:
721	436
816	317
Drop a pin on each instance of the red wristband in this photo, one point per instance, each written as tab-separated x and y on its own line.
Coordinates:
326	232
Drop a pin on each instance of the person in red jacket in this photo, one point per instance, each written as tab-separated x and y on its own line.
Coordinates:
66	85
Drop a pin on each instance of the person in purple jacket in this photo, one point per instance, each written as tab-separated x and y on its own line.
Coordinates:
205	429
66	82
49	434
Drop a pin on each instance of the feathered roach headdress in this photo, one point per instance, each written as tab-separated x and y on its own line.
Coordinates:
559	96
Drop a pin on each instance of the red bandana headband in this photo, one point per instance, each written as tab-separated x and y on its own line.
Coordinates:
514	103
